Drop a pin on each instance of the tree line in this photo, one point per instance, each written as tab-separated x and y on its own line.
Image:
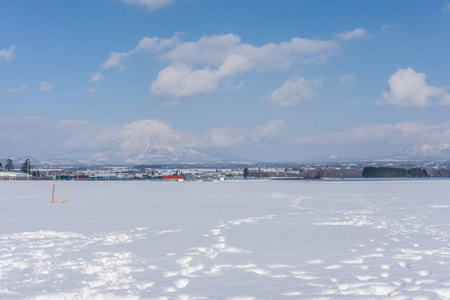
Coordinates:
9	167
387	172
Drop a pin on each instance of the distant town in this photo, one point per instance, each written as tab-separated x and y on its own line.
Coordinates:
223	171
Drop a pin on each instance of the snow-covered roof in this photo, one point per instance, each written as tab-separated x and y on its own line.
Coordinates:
14	175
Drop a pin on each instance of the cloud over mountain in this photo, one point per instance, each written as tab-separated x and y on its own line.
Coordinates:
141	141
399	133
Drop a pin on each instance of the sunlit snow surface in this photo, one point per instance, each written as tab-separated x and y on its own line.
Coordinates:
225	240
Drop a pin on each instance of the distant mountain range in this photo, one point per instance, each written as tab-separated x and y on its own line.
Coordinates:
144	149
141	144
151	157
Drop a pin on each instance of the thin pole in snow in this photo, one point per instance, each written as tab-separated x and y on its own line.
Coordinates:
53	195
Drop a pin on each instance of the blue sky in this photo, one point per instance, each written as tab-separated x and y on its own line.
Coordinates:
270	80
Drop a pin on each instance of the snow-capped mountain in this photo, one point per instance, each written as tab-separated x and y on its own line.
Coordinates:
425	151
141	142
58	162
150	141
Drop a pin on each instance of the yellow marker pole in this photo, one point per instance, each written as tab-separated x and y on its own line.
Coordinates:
53	195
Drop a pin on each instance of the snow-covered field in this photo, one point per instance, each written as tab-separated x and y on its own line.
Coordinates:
225	240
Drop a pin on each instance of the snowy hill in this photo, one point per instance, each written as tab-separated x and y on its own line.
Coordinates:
148	141
427	151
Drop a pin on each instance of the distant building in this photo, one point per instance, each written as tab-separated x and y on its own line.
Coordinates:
190	177
76	176
173	178
14	176
80	176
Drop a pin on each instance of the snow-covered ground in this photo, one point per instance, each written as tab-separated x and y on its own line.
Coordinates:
225	240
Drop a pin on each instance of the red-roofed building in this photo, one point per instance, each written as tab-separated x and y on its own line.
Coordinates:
173	178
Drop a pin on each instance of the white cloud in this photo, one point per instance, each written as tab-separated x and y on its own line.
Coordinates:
224	57
150	4
182	81
18	90
115	60
346	79
39	136
407	88
209	50
400	133
223	137
84	135
446	7
45	87
97	77
293	92
356	34
231	136
157	44
445	100
268	130
8	54
201	66
214	50
385	26
154	44
170	104
93	91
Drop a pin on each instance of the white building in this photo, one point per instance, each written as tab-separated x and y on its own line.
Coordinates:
14	176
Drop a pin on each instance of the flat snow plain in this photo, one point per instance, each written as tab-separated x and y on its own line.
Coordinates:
225	240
